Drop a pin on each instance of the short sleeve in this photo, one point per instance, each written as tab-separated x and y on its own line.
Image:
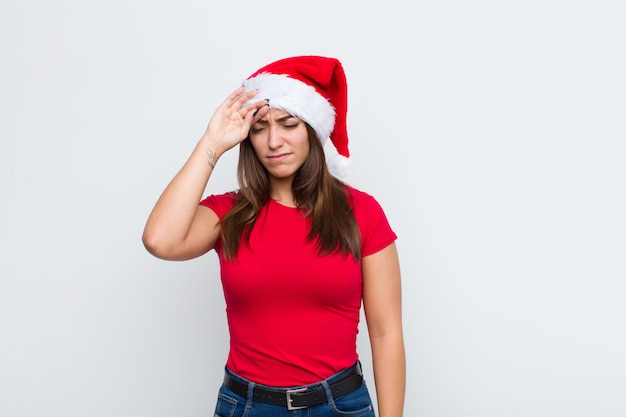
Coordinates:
376	232
220	203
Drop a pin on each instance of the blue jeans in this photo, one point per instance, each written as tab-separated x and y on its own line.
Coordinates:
354	404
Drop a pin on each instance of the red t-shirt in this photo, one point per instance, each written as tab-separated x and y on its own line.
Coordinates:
293	315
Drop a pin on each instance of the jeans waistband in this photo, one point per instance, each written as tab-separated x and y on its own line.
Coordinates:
297	397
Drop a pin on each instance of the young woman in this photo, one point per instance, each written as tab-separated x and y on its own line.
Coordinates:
299	250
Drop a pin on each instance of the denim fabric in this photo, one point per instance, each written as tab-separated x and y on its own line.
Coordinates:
354	404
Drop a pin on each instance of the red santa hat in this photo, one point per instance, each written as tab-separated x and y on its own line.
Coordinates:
314	89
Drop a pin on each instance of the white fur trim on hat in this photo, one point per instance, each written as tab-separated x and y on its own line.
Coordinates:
294	97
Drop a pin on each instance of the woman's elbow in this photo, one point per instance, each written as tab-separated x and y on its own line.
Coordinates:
154	244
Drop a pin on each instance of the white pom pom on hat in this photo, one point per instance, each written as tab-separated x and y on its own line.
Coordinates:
314	89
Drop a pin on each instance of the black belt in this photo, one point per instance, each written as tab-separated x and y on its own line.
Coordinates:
298	398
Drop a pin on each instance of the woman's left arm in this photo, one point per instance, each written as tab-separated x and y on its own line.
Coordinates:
382	302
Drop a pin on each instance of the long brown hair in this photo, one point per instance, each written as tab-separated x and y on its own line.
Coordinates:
322	198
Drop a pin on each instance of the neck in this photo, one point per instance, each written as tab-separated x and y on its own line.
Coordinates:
280	191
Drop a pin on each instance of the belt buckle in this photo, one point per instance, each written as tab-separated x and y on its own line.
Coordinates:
289	399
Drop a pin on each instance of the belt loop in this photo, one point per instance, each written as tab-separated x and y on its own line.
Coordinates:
250	394
329	395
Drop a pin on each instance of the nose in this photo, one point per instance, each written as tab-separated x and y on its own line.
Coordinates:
274	139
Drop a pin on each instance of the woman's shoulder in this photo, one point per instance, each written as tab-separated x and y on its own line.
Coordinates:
376	232
220	203
363	203
358	197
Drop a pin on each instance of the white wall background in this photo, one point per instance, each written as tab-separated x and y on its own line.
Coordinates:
492	133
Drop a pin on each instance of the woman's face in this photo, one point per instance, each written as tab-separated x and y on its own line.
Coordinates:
281	143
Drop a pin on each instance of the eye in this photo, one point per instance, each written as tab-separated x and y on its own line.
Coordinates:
256	129
291	124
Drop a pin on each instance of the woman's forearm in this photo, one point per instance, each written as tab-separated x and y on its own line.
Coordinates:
389	374
172	216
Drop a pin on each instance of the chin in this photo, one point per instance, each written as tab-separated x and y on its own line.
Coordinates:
282	176
282	173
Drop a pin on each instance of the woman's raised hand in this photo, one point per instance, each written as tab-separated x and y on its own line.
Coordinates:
231	122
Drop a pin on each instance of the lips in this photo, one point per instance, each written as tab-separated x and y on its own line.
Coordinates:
279	157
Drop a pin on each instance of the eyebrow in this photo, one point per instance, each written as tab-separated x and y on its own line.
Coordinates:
279	120
285	117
